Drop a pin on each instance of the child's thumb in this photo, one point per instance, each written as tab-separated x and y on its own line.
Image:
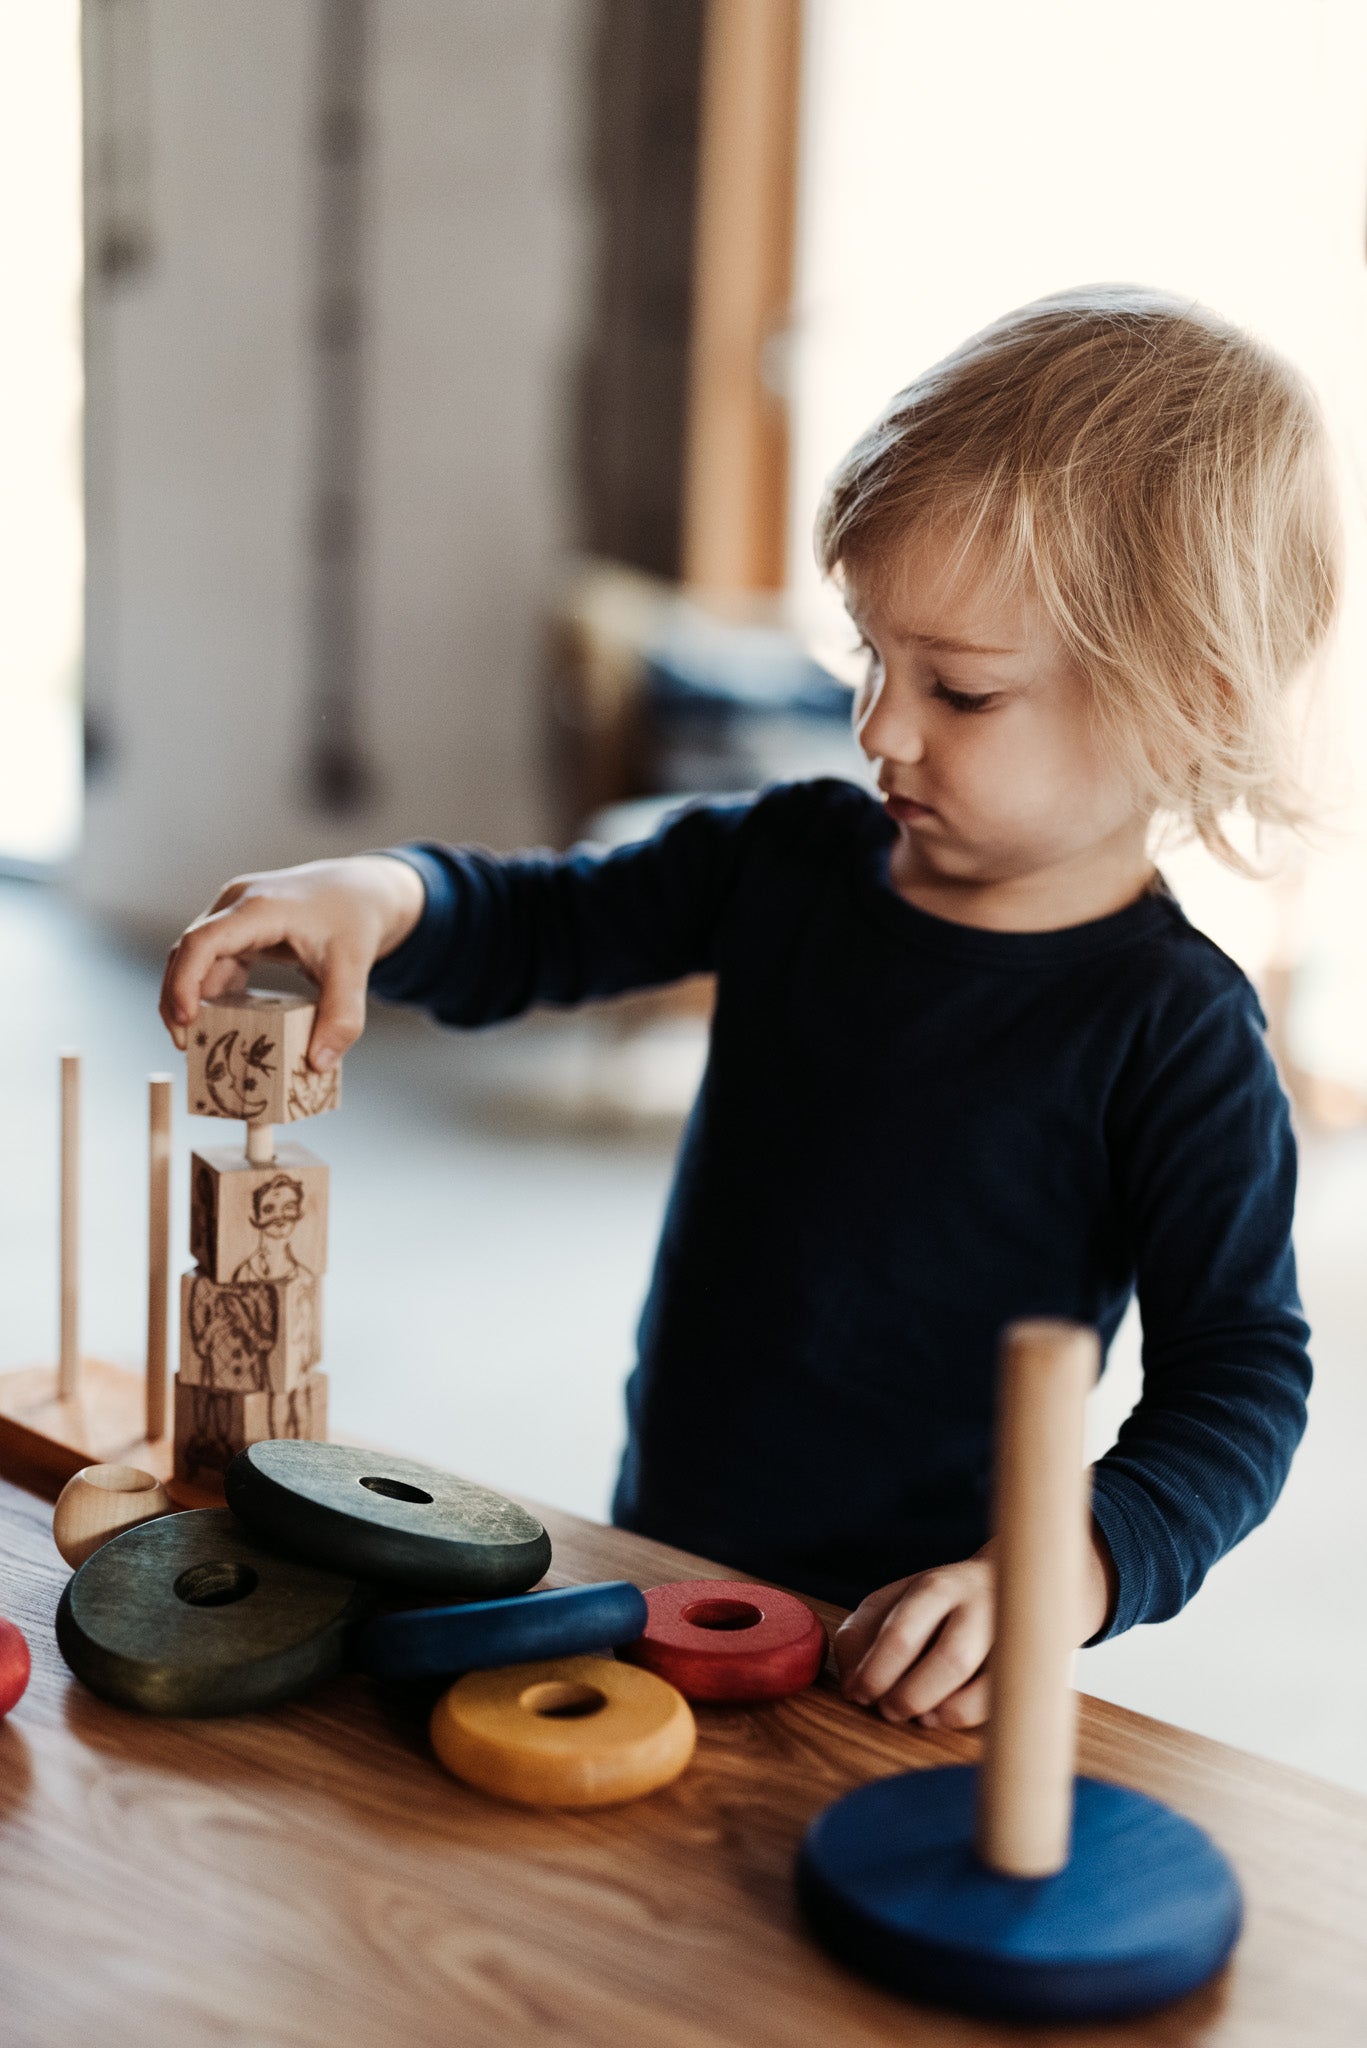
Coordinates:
341	1010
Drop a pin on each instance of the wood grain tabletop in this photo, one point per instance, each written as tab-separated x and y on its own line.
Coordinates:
310	1878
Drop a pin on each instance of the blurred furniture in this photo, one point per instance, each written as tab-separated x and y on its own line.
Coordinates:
656	692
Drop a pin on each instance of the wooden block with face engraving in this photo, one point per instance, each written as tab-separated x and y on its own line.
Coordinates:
247	1058
249	1336
251	1222
212	1425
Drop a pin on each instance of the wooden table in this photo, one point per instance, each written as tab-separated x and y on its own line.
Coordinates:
309	1876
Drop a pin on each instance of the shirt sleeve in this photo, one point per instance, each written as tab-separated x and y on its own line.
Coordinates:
1207	1166
500	934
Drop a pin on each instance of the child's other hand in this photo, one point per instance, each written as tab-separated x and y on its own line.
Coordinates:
916	1650
333	918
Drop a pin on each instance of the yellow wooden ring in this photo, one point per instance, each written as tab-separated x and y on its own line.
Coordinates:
574	1731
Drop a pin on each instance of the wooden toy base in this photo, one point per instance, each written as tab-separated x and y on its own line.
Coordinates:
1145	1910
45	1440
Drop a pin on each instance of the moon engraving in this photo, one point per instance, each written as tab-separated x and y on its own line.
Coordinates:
235	1072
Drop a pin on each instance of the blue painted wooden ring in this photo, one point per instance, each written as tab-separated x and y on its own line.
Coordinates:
437	1642
1146	1909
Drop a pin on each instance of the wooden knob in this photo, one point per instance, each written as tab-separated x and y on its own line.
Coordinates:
101	1501
1042	1496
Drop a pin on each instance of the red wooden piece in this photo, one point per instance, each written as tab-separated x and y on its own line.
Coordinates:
717	1639
14	1666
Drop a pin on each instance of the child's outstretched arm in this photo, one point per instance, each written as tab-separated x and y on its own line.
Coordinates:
333	918
471	936
918	1649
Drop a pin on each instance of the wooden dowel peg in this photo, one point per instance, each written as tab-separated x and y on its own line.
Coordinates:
1084	1900
1025	1789
69	1357
260	1144
158	1247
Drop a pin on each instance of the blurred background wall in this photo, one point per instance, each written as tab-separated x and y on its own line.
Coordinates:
338	270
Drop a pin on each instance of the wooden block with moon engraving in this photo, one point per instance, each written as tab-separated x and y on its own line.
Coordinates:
247	1058
249	1336
250	1222
213	1425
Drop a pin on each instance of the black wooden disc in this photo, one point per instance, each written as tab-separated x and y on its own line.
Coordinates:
187	1615
387	1518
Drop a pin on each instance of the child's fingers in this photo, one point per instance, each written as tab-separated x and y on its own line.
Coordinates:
341	1005
967	1708
237	934
227	977
906	1629
858	1630
952	1661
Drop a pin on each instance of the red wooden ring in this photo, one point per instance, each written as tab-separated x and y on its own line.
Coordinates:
718	1639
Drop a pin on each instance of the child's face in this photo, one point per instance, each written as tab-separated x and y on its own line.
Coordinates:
975	721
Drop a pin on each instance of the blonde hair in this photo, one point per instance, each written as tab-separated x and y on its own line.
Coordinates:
1166	482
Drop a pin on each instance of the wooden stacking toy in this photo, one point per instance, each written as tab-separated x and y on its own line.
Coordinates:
960	1886
576	1731
100	1501
84	1410
388	1518
187	1615
436	1642
15	1666
719	1639
251	1317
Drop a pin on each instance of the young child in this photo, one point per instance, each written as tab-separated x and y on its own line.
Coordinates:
969	1060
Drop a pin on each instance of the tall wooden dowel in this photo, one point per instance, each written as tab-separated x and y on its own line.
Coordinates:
260	1144
1043	1491
158	1247
69	1354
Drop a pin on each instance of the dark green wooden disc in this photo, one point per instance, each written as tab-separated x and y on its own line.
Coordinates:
378	1517
187	1615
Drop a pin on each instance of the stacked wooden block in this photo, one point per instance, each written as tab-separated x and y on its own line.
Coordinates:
251	1310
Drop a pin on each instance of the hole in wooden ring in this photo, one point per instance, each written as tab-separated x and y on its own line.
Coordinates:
118	1478
215	1585
557	1699
398	1489
722	1614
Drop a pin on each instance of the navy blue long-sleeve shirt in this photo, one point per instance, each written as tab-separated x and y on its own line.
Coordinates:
909	1133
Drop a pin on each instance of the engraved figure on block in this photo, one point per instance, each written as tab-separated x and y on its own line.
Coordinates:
234	1330
277	1208
292	1414
312	1093
210	1446
235	1073
203	1217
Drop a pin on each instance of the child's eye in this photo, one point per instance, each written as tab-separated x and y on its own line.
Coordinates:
964	700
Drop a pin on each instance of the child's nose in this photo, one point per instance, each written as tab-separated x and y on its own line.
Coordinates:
886	723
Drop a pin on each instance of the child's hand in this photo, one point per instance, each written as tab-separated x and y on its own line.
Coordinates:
917	1650
334	918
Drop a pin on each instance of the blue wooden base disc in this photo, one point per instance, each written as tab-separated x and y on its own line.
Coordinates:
1146	1909
435	1642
